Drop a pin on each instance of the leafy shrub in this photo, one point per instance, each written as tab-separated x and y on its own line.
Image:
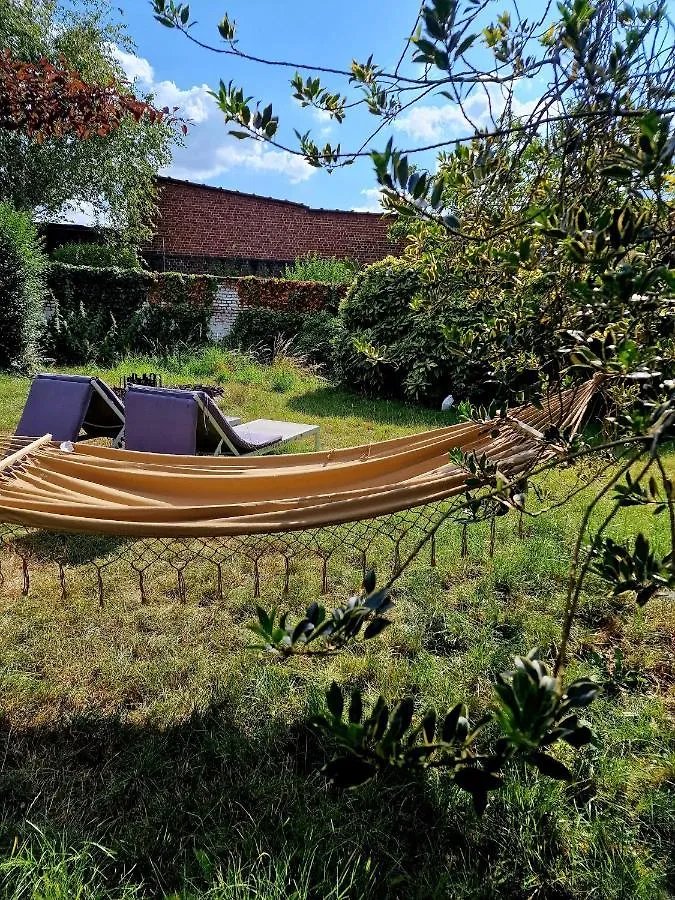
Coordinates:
95	311
390	345
532	712
327	270
22	289
376	315
178	309
310	336
362	614
316	338
101	256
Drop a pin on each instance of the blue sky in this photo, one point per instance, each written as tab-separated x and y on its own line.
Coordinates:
180	73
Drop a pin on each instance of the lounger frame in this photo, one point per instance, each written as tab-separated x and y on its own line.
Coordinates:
224	438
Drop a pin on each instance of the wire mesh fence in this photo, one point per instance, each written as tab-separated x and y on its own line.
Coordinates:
57	563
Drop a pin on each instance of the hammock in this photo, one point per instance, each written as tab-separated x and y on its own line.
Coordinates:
99	490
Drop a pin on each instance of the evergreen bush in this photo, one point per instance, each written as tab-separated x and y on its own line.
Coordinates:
310	335
22	289
326	270
99	255
376	316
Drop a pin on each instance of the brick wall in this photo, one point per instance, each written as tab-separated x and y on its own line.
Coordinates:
207	223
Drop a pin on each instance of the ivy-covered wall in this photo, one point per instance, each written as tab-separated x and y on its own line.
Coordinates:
102	313
287	296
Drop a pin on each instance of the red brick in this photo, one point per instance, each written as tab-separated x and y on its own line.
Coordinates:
200	220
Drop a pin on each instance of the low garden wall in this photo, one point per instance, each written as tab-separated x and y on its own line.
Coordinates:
101	313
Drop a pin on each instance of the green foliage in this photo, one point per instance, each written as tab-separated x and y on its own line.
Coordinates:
115	174
101	314
380	300
617	676
333	631
639	570
100	256
327	270
532	711
307	336
178	310
376	315
388	345
22	289
94	311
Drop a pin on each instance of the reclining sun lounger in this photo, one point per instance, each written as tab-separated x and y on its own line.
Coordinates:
66	405
161	420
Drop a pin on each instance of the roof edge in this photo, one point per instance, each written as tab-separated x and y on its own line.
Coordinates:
167	179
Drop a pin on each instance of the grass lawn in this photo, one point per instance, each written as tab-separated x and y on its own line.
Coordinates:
146	753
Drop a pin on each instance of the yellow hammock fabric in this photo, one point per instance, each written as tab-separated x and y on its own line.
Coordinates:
118	492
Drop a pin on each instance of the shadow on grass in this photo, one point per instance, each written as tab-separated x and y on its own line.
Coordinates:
74	549
177	805
331	402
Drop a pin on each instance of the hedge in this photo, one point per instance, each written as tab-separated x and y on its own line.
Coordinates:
22	290
388	348
102	313
376	313
309	336
281	294
98	255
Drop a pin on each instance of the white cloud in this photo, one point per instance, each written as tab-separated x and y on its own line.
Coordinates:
374	197
194	103
241	154
448	120
135	67
209	151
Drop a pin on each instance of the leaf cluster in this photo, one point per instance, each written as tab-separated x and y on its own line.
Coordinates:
362	614
532	713
639	569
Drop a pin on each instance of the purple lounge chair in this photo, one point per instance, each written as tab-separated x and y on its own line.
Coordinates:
161	420
66	405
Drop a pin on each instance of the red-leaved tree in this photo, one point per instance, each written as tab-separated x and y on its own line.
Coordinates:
44	100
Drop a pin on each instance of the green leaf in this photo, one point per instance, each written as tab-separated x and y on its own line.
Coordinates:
437	192
582	692
348	771
266	621
335	701
550	766
402	171
400	720
356	707
477	780
302	626
375	627
449	730
378	599
369	581
428	726
466	43
580	737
